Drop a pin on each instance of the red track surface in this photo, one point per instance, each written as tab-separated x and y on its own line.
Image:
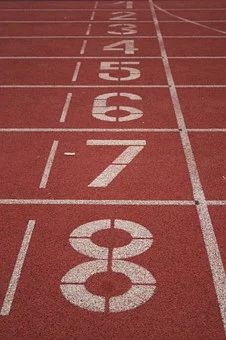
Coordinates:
112	200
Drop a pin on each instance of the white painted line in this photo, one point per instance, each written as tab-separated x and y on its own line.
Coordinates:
76	57
104	9
63	22
100	58
92	16
76	36
82	51
84	130
216	202
9	297
196	9
112	37
208	130
96	4
163	130
115	142
189	21
87	86
92	202
76	71
49	164
69	153
215	261
108	86
88	30
179	21
65	108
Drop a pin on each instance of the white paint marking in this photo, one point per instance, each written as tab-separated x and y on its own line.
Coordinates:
104	9
77	36
65	108
89	29
115	142
96	4
10	201
85	130
9	297
49	164
69	153
82	51
189	21
109	86
210	241
76	71
216	202
62	22
106	130
92	16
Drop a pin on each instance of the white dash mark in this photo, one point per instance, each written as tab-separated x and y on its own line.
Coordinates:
49	164
77	68
83	47
65	108
88	29
92	16
69	153
8	300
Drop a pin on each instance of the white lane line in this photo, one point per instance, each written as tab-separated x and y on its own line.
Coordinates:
100	58
88	30
84	86
85	130
208	130
108	86
65	108
82	51
9	297
104	9
93	202
49	164
92	15
63	22
162	130
115	142
112	37
189	21
196	9
215	261
76	71
76	36
216	202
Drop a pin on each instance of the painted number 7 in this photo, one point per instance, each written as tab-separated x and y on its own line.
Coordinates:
133	148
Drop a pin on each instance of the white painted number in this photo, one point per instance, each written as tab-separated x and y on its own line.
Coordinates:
143	284
127	46
128	4
123	16
105	66
125	29
100	107
134	147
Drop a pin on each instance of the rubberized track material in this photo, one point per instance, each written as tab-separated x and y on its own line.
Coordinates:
112	200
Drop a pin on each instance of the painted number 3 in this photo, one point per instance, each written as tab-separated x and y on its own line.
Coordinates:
107	260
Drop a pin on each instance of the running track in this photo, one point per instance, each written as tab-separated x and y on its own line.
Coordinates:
113	173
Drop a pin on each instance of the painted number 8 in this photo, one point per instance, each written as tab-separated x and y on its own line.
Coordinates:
142	282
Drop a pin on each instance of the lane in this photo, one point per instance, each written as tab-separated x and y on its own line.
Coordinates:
182	289
29	108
